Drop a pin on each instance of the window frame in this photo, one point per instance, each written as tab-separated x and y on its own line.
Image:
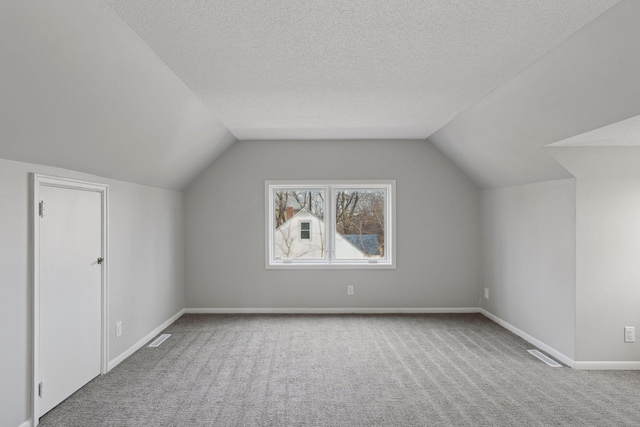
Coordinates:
308	230
330	188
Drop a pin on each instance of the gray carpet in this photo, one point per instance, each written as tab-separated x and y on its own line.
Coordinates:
347	370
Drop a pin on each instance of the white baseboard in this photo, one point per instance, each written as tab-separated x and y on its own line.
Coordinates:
611	366
115	362
583	365
26	423
542	346
353	310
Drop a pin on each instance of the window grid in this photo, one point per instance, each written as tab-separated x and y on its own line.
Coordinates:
305	232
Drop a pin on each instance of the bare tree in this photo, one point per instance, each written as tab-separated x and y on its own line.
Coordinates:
361	213
346	206
287	241
281	201
311	200
320	244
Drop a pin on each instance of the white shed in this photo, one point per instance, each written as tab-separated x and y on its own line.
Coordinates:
302	237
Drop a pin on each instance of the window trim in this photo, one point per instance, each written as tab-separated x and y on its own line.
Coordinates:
330	187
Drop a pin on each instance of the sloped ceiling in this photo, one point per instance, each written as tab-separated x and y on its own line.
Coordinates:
610	152
152	91
625	133
80	90
589	81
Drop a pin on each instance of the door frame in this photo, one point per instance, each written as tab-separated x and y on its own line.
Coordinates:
38	181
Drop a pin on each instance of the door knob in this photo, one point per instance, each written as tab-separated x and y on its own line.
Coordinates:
100	260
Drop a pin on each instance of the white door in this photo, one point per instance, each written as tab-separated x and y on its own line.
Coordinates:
70	292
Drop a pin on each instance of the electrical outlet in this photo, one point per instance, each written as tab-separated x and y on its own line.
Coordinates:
629	334
118	329
349	289
486	293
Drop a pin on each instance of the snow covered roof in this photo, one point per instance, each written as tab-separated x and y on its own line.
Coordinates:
367	243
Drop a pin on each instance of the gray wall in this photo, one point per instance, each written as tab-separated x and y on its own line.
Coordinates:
146	271
608	289
529	235
438	228
608	252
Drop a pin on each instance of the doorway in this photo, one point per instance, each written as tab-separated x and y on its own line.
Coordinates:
70	288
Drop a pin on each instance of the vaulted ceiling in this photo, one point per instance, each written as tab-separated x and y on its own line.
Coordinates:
153	91
587	82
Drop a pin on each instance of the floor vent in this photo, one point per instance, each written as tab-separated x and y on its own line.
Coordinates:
549	361
162	338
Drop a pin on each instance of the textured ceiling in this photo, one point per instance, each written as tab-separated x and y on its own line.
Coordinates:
349	69
609	152
625	133
152	91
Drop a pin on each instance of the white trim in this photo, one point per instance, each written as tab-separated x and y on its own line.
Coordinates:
608	365
542	346
333	310
632	365
288	265
115	362
269	217
26	423
329	188
39	180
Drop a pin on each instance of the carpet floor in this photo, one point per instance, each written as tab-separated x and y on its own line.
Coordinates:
347	370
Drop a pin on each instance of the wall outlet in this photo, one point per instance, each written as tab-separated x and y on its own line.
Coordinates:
486	293
349	289
118	329
629	334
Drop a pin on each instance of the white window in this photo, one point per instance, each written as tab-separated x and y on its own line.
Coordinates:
330	224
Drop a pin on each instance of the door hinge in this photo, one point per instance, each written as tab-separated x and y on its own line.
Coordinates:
40	388
41	208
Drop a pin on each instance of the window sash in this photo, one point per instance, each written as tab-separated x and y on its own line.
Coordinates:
305	230
290	236
335	189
